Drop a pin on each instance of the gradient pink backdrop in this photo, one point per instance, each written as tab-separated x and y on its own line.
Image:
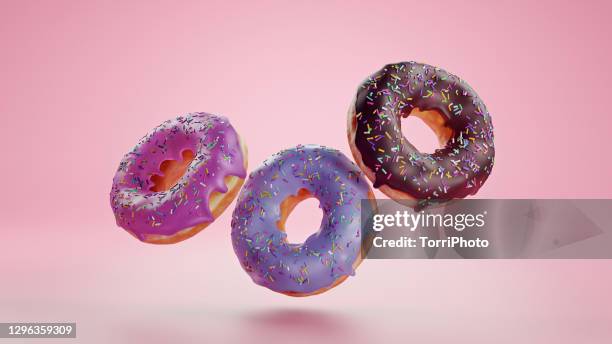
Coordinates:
82	81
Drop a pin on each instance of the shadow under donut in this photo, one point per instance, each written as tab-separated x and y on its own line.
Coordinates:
300	326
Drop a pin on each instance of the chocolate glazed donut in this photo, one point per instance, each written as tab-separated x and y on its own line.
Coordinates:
448	106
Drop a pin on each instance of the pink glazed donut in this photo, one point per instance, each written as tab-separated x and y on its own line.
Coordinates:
178	178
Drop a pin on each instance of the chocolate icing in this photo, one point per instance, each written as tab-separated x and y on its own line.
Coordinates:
455	171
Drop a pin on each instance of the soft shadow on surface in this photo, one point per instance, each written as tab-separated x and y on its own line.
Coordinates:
301	325
270	326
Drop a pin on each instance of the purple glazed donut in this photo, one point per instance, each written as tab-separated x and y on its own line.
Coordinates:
328	256
178	178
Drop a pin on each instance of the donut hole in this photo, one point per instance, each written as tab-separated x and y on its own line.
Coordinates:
417	126
172	171
300	213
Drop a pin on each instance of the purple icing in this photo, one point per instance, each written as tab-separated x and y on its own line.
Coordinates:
218	154
326	255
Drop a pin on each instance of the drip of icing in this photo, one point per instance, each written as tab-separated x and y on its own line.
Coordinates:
328	254
217	154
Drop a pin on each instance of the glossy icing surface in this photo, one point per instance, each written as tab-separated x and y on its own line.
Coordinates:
329	253
455	171
218	154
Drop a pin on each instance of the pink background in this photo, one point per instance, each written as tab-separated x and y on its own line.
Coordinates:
82	81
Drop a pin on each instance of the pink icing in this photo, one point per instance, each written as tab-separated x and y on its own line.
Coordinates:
217	154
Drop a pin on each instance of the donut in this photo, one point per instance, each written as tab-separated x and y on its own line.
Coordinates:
327	257
449	106
178	178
